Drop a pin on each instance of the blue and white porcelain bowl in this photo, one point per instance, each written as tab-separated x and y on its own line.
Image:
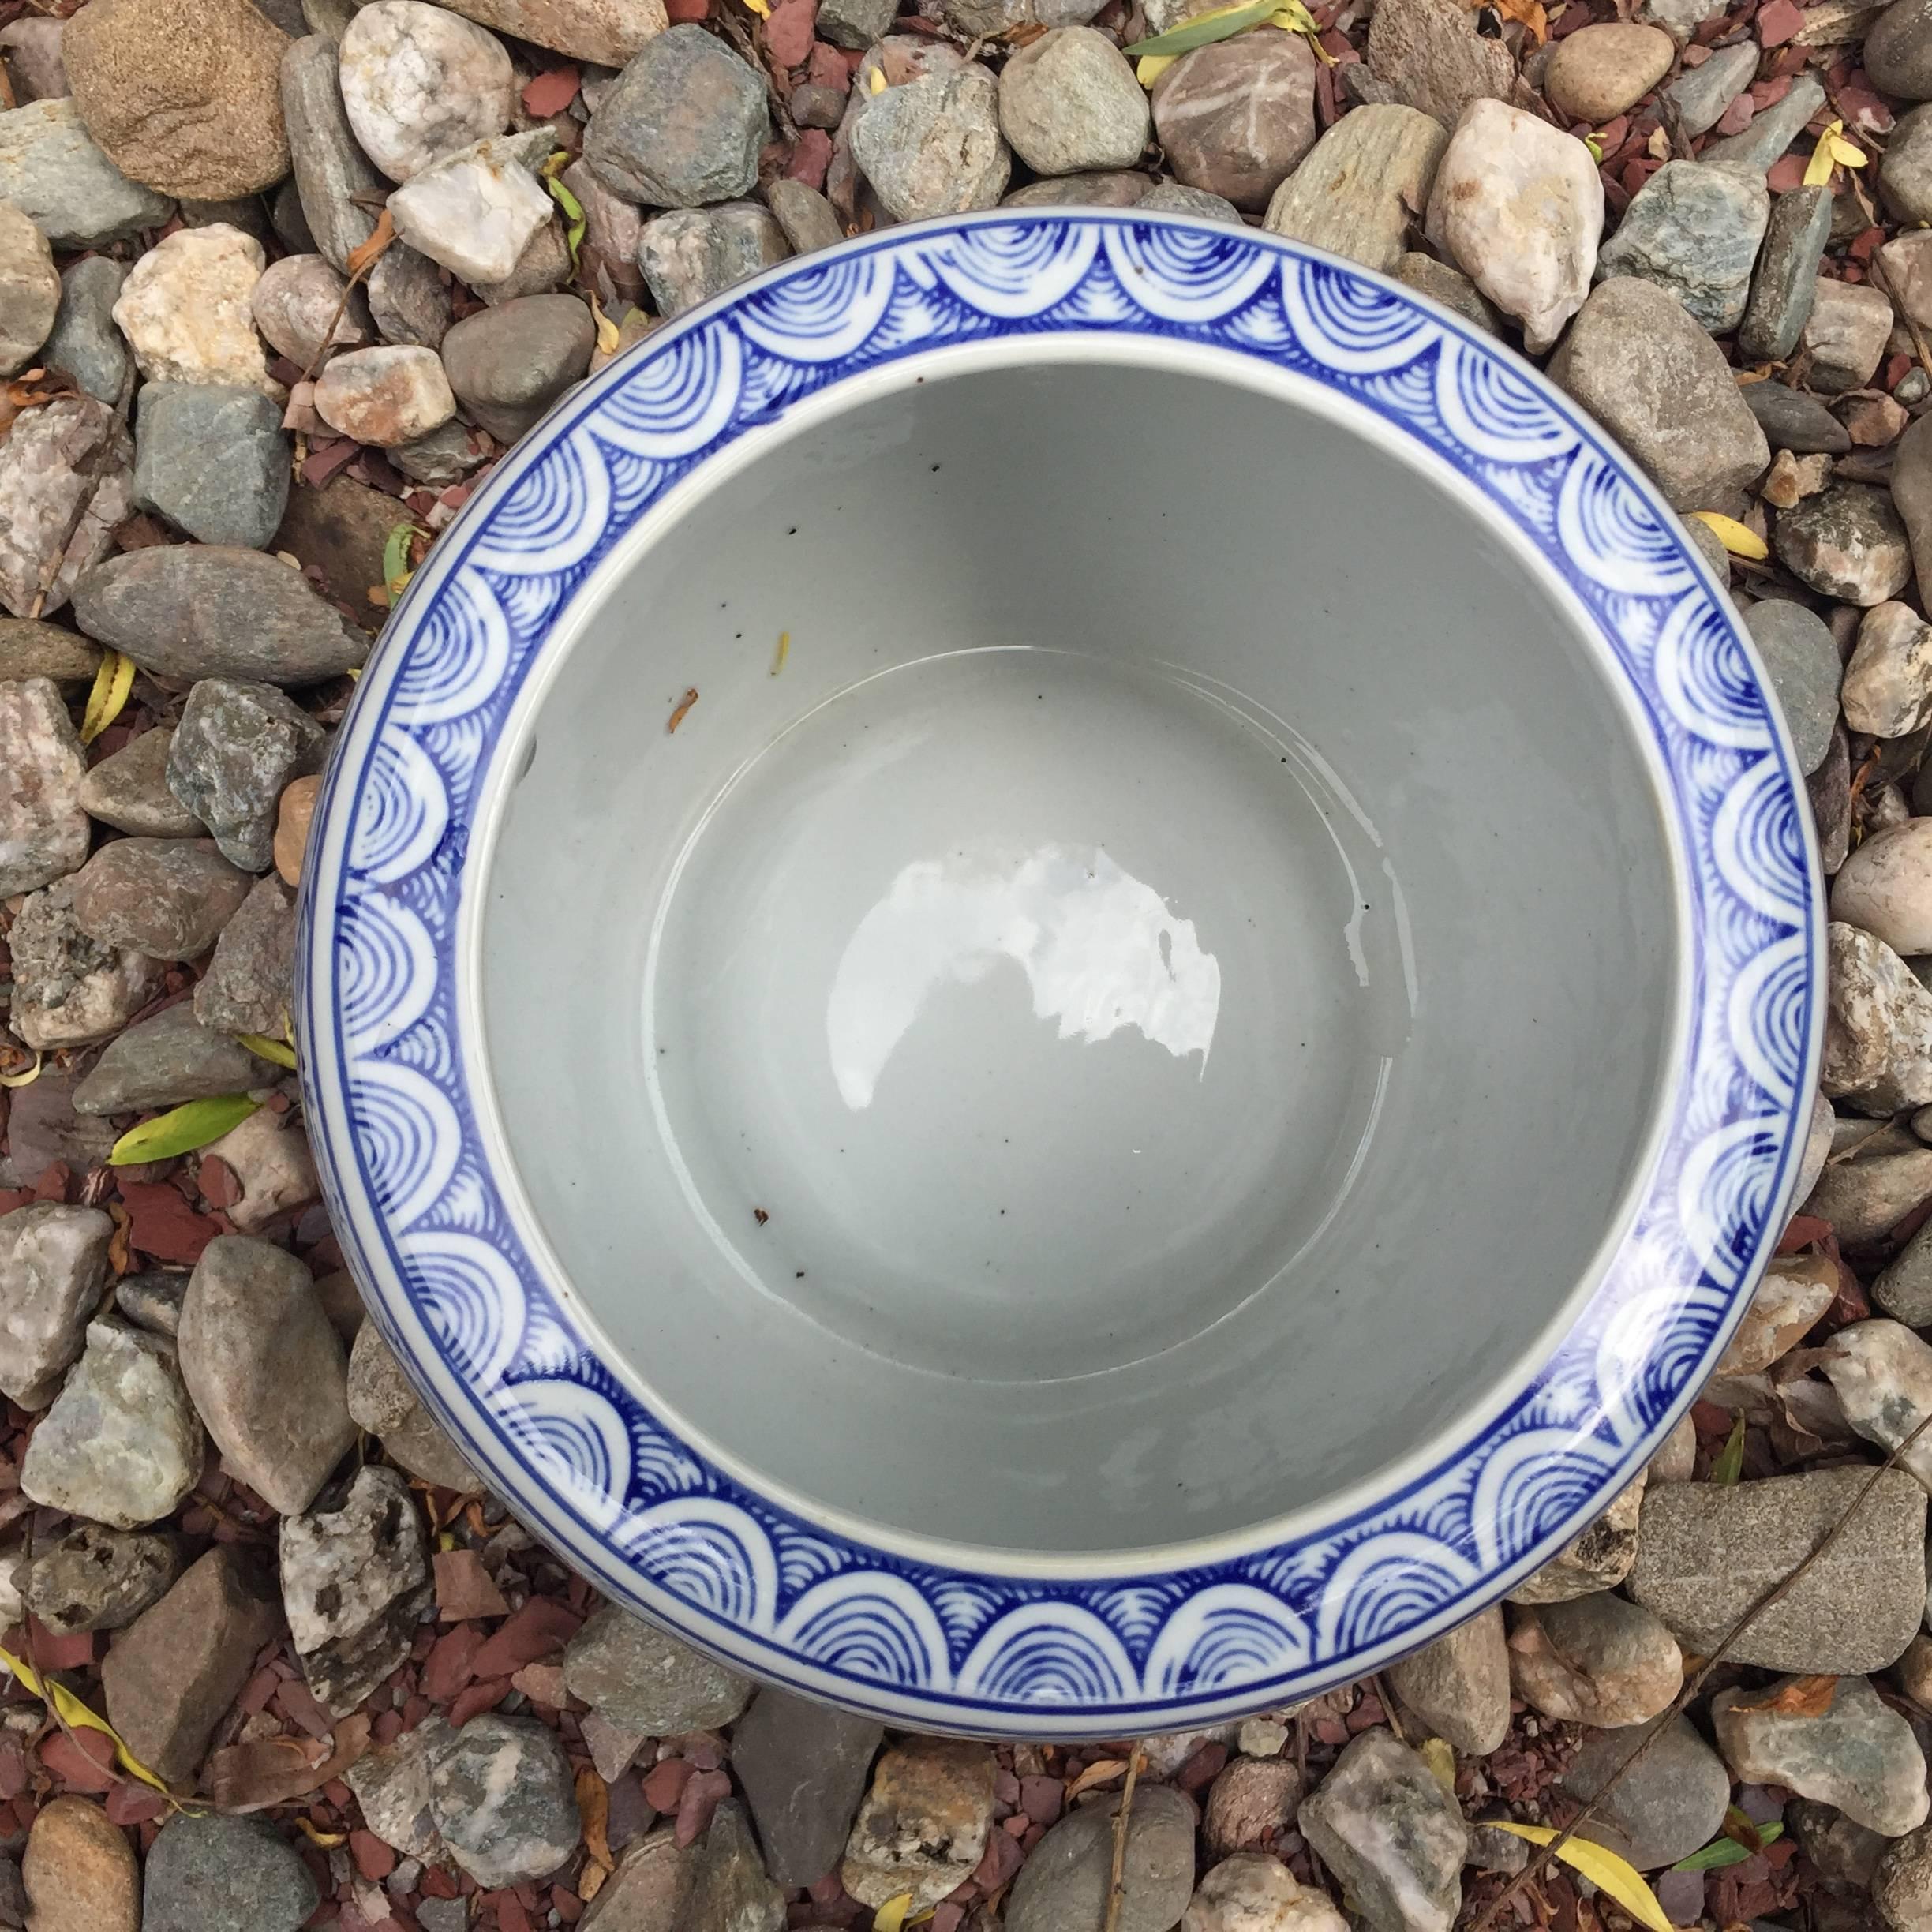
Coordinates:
1061	975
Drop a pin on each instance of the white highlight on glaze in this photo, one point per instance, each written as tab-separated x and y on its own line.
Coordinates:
1100	948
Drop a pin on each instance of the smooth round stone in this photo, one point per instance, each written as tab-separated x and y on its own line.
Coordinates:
1070	100
53	172
1111	187
1598	71
419	82
1244	156
508	364
1063	1885
298	305
80	1871
30	290
1905	174
1170	197
209	1873
1884	887
1802	656
1253	1892
502	1799
933	146
385	396
1898	50
184	95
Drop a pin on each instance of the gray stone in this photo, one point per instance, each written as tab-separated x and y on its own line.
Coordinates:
152	1300
1846	543
1904	1289
190	611
121	1444
689	255
1701	94
1802	656
1829	791
1695	231
1845	333
1888	682
644	1680
502	1799
682	125
30	290
507	365
1670	1802
52	172
43	831
1881	1373
1431	52
1708	1550
355	1582
164	1060
923	1825
858	24
249	986
1773	129
1865	1198
391	1784
213	460
94	1578
128	789
238	744
1243	157
32	49
1597	1660
1898	50
290	223
543	265
1912	488
1845	1852
1364	186
53	1270
727	1889
1793	420
30	650
802	1767
304	305
982	19
1459	1687
1170	197
330	168
1450	286
268	1154
1069	101
1901	1882
1109	188
1783	287
66	479
383	1401
933	146
418	83
408	303
207	1872
70	989
266	1370
1380	1822
1494	1850
812	104
1063	1885
1905	174
805	215
1858	1755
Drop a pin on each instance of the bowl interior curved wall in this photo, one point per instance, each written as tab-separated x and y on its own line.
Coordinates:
1143	1012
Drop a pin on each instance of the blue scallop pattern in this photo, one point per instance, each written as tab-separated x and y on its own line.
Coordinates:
676	1537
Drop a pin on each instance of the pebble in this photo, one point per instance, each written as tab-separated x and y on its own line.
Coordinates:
1070	100
1597	1660
53	1269
80	1871
94	1578
607	32
382	1401
419	82
1773	129
250	982
1251	1801
1363	187
1901	1881
31	47
1178	198
858	23
385	395
1795	1291
1905	174
207	1872
269	1156
391	1784
1458	1686
932	146
507	365
1907	260
182	95
1393	1836
683	124
1802	658
643	1678
266	1370
812	104
476	210
727	1888
802	1767
30	290
1595	73
1450	286
189	612
1884	888
408	302
128	790
1102	187
293	817
53	173
1859	1755
70	989
923	1828
330	169
1518	205
1708	1550
1063	1884
544	264
166	897
1242	157
502	1799
1882	1373
1701	94
1898	50
238	744
1844	1853
165	1060
1877	1050
44	829
1794	421
689	255
1599	1559
86	341
173	1675
1846	334
121	1444
1693	229
66	479
184	308
213	460
1904	1289
1784	285
1252	1893
298	305
1432	53
1672	1801
805	215
355	1581
1846	543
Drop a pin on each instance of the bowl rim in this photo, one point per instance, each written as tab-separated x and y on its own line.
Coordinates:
972	1640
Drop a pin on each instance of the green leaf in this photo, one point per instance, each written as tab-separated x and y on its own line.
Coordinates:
395	556
1205	29
1722	1851
1730	1463
181	1129
573	214
282	1054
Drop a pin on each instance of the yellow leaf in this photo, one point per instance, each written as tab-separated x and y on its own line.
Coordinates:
1150	67
1437	1753
327	1840
784	651
268	1048
891	1916
759	8
1847	154
77	1716
606	336
1818	169
26	1079
1102	1771
876	81
112	683
1739	538
1604	1870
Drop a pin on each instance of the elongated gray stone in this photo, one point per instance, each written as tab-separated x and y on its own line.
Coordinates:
1786	279
1763	143
330	168
165	1060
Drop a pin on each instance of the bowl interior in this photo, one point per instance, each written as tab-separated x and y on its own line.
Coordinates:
1137	995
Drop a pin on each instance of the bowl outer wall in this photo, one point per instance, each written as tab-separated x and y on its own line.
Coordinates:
980	1643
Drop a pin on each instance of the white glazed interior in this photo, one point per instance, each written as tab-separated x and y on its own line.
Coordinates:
906	945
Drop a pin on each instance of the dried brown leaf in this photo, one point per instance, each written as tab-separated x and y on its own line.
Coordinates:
594	1809
1803	1697
364	258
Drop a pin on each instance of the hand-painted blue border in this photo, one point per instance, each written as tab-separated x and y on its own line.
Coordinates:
494	1348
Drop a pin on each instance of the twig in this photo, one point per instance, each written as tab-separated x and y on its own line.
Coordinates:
1539	1859
1878	272
1116	1882
1387	1698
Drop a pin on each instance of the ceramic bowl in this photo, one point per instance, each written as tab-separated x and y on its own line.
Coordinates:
1061	975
